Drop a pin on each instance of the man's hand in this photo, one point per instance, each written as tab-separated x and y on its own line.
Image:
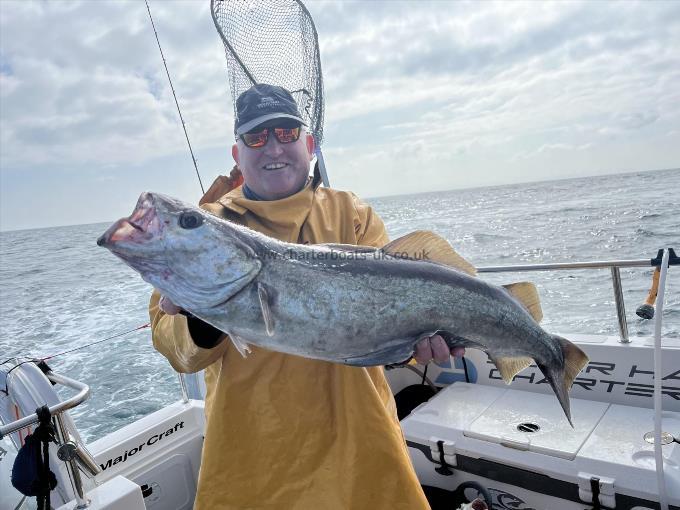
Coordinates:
168	306
435	348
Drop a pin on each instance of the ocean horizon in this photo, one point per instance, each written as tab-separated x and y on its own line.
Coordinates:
378	197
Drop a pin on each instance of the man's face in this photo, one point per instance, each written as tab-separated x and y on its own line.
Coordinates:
276	170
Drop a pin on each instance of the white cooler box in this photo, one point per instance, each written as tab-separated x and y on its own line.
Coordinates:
520	446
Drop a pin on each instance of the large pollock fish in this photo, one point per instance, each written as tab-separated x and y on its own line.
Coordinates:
340	303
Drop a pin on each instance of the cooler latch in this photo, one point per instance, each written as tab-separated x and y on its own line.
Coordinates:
596	490
443	452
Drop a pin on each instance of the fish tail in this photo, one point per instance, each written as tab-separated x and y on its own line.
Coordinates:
561	377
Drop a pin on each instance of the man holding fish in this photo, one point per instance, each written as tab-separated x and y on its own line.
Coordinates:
303	278
286	432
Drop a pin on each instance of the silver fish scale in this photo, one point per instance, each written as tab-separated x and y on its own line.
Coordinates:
373	306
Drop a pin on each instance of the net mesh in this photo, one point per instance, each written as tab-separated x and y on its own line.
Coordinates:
274	42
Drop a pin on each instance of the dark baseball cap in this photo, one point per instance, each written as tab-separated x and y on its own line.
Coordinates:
261	103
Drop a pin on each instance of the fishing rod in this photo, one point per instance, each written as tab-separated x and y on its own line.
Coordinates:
179	111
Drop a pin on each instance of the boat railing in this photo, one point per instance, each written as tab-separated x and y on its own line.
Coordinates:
55	410
613	265
74	454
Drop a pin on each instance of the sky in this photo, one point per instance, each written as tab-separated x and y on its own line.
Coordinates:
419	96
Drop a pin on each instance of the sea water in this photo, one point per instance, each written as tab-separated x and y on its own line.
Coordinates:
58	290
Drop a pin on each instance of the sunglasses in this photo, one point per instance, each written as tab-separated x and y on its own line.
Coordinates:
258	139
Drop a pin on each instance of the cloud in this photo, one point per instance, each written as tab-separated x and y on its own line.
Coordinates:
476	92
552	149
637	120
577	71
92	87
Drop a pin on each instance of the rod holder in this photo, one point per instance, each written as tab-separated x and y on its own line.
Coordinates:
68	453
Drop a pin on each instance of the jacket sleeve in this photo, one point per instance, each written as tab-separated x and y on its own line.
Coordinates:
171	337
369	227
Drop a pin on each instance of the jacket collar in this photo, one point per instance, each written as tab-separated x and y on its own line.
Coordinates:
282	219
299	203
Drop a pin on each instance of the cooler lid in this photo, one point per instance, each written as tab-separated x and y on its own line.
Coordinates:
536	422
450	411
618	448
619	438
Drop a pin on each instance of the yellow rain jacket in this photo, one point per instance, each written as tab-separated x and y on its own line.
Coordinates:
285	432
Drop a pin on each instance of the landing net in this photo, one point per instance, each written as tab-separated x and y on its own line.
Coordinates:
274	42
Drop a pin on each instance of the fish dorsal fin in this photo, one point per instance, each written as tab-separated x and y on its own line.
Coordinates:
266	311
527	294
240	344
426	245
510	367
352	248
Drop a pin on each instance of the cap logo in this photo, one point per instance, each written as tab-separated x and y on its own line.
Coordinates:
268	102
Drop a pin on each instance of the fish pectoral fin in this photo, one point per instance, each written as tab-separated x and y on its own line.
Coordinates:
527	294
510	367
266	310
240	344
426	245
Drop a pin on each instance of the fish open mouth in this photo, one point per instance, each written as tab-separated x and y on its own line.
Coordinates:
142	225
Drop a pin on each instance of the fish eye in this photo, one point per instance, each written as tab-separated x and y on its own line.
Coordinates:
190	219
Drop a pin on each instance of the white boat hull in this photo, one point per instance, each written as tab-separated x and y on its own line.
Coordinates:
472	428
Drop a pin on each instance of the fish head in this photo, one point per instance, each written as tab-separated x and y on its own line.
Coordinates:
191	256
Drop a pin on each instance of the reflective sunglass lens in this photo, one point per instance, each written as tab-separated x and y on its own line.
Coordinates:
255	139
259	139
287	135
